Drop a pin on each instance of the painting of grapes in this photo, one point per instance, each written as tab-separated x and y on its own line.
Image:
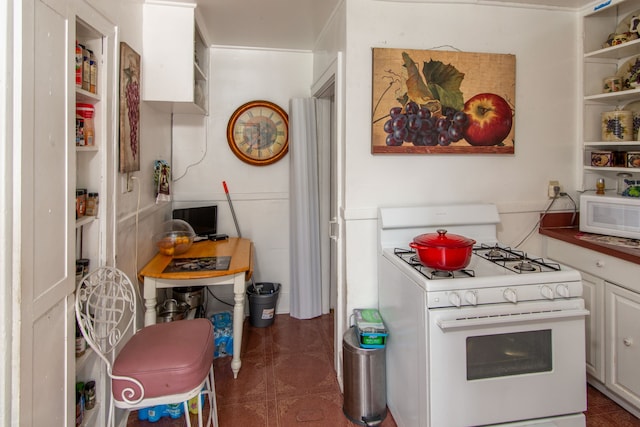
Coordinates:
450	102
129	109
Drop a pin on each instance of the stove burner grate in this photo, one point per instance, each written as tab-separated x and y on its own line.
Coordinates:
514	260
410	257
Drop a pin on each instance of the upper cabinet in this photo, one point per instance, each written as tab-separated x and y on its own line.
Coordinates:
175	63
610	143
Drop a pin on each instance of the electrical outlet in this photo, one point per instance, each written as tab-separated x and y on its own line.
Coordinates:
126	183
554	188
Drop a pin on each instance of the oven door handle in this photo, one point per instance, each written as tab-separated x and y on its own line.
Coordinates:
503	319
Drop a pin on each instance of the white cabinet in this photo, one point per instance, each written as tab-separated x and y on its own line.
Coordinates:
175	63
623	342
598	63
612	295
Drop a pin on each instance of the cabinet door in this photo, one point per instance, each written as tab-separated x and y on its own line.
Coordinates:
47	276
593	294
623	343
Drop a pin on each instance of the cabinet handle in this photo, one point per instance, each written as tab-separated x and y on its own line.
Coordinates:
599	263
627	342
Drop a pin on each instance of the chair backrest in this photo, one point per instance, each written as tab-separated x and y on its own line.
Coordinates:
105	309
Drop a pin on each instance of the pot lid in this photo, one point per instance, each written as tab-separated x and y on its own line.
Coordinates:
442	239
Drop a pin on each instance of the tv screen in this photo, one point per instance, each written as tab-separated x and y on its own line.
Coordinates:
203	219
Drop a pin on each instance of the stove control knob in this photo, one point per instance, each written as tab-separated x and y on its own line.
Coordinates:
510	295
471	297
563	290
454	299
546	292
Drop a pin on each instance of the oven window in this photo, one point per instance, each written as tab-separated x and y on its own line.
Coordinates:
502	355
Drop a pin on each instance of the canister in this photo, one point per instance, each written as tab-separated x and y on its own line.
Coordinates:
617	125
633	159
85	129
602	158
611	84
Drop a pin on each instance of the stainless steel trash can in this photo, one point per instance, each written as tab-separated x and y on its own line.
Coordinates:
365	383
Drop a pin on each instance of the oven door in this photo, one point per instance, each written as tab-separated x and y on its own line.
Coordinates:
507	362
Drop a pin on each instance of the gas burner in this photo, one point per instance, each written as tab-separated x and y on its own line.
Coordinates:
524	266
441	273
410	257
414	260
495	253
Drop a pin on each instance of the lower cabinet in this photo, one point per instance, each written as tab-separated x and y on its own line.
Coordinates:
612	295
622	311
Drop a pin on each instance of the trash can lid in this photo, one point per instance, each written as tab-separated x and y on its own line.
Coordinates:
351	343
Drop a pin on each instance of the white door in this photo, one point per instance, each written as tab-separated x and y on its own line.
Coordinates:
593	295
623	350
43	219
331	88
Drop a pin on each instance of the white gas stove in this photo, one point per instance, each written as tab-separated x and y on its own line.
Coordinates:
499	342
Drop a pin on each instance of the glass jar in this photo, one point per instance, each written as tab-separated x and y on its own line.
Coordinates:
92	204
622	183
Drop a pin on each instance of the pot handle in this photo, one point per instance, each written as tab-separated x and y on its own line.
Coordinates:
414	245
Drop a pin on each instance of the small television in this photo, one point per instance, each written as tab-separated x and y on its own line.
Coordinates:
203	219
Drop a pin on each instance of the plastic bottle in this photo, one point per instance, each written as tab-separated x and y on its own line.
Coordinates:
86	70
93	72
78	64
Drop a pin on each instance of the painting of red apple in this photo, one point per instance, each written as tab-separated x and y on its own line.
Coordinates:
429	102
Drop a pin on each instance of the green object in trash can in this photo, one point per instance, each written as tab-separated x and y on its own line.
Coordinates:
263	297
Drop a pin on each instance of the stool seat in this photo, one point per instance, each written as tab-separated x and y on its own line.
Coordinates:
167	358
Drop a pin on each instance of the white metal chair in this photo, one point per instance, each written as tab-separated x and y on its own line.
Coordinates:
166	363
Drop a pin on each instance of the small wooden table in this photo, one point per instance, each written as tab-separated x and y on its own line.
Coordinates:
240	269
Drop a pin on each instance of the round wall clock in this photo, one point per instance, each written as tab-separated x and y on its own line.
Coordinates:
258	133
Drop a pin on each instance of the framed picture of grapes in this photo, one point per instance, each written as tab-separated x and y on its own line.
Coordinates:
450	102
129	131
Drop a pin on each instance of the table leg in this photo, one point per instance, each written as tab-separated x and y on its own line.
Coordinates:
238	321
150	301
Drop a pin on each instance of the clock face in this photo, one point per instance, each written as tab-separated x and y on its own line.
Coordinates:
258	133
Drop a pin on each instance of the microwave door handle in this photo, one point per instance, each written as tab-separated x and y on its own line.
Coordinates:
448	325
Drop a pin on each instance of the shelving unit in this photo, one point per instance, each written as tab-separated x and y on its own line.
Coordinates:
175	64
600	62
611	291
91	174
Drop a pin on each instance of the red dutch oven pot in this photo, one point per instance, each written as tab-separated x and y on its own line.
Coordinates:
442	251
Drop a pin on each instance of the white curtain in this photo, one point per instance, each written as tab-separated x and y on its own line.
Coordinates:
308	120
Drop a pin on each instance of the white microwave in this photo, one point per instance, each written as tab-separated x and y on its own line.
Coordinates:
611	215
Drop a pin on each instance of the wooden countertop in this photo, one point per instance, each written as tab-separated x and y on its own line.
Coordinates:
240	250
559	226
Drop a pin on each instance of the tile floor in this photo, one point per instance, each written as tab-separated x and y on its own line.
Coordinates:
287	379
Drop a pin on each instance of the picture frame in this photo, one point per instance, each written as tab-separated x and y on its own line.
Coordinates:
129	109
407	82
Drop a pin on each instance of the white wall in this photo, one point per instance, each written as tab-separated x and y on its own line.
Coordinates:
545	45
202	158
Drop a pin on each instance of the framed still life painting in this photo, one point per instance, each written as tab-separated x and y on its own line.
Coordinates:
429	102
129	109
